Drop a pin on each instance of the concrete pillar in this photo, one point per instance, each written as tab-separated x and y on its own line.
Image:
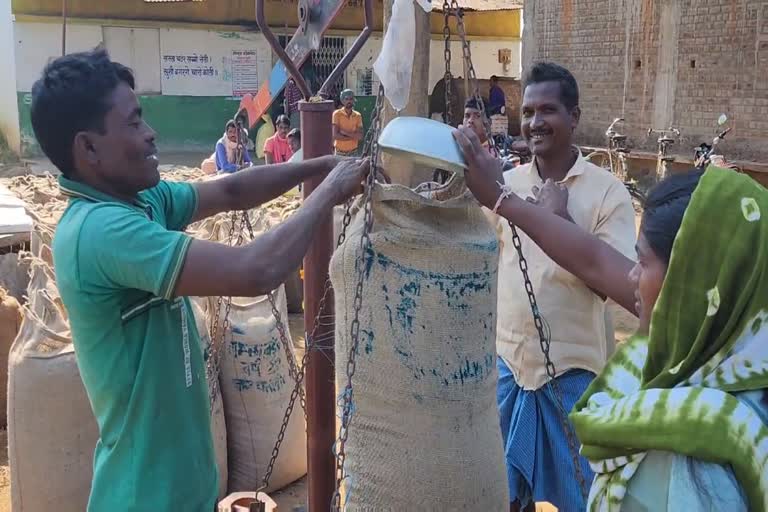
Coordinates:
10	130
666	65
399	170
530	49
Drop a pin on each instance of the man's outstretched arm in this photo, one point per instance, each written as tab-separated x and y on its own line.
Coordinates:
213	269
256	185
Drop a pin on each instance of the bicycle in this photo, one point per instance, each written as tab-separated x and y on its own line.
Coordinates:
614	159
663	158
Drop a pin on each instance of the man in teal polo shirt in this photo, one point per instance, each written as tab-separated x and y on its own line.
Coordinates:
124	268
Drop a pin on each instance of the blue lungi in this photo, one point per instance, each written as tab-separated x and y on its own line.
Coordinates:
539	462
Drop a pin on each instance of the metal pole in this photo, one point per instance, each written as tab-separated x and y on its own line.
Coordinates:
64	27
317	140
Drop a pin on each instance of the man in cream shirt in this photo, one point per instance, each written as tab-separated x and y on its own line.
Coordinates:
539	461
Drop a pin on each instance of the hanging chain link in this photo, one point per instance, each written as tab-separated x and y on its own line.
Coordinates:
467	56
544	343
212	364
293	370
370	148
544	339
447	77
354	330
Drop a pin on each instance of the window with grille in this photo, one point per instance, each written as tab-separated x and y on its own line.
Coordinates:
322	62
330	53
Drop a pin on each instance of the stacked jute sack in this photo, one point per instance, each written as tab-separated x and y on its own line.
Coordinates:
425	428
254	373
52	431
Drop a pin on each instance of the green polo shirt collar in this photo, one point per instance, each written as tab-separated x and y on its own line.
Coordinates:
77	189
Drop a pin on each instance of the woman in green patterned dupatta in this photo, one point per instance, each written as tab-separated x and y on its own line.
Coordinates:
677	419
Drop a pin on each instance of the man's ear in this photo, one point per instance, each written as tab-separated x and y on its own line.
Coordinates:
84	149
576	116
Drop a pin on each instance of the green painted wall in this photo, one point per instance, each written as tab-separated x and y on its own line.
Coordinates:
182	123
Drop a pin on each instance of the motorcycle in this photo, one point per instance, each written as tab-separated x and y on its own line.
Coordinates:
513	151
704	153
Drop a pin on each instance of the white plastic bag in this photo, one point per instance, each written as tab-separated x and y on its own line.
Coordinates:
395	62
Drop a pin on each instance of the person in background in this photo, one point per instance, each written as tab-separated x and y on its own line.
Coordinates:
538	455
125	269
347	126
225	157
292	97
294	139
277	149
474	118
496	99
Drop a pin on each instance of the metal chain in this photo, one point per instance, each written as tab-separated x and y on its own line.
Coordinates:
354	330
544	343
467	55
293	370
212	365
538	321
370	148
447	77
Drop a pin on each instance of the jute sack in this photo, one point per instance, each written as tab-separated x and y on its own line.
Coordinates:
14	273
425	429
218	422
10	322
256	388
52	433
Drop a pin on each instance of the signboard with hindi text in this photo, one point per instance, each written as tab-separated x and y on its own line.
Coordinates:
209	63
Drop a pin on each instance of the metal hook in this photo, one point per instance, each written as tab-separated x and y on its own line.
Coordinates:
293	70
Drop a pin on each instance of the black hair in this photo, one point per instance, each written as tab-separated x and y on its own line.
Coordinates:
283	119
494	78
550	72
295	133
472	103
664	210
230	124
72	96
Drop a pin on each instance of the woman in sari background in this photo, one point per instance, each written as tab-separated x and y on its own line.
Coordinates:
225	157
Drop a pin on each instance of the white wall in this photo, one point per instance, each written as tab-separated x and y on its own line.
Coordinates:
189	62
139	49
364	61
437	61
9	107
485	58
155	55
37	43
221	64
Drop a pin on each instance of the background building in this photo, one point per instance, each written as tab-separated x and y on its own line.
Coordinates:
194	60
659	63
